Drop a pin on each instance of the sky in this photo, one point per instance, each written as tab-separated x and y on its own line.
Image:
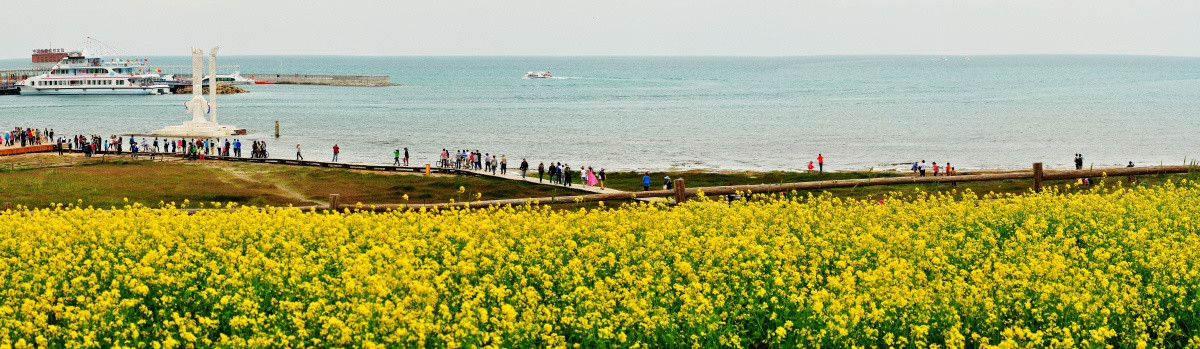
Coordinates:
608	27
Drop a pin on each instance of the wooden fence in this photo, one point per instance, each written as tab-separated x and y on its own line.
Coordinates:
681	193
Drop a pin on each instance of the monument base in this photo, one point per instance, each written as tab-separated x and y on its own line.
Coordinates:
195	129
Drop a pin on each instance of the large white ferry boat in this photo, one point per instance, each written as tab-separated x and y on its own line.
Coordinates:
78	74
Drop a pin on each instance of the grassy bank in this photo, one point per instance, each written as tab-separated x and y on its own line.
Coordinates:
41	180
631	181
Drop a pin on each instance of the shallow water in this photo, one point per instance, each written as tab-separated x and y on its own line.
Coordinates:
725	113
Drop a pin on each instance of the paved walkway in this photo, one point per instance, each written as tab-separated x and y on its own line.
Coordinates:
516	176
18	149
18	145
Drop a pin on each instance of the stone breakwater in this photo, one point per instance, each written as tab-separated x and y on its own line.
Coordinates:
331	80
222	89
314	79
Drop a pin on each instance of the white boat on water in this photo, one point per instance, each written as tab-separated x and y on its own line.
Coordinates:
538	75
80	74
236	78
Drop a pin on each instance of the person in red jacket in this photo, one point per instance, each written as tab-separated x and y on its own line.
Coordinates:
335	152
821	162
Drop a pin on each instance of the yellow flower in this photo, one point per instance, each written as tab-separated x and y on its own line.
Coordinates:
1114	267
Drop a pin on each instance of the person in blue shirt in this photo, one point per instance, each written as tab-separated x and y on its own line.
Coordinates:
646	182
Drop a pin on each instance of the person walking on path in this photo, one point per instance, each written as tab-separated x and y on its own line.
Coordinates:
821	162
566	174
601	176
524	167
298	156
541	170
335	152
1078	161
935	169
915	166
503	164
922	168
494	163
646	181
591	178
396	157
405	156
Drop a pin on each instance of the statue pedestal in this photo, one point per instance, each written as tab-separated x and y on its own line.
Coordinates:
200	126
196	129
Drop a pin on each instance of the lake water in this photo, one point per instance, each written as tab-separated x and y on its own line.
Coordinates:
724	113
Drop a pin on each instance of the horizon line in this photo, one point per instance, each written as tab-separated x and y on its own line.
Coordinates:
689	56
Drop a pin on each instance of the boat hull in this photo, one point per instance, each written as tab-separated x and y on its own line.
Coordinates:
152	90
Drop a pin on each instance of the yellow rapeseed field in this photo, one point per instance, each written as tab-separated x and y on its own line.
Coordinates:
1116	268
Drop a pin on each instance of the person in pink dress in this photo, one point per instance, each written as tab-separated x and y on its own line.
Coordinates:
591	178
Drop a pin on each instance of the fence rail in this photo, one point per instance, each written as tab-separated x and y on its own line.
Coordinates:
681	193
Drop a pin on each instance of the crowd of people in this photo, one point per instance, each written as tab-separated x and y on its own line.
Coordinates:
191	148
27	136
554	173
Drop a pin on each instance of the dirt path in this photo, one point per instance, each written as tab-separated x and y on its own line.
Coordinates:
284	190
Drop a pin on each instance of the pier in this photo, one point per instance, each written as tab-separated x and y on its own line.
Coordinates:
9	77
314	79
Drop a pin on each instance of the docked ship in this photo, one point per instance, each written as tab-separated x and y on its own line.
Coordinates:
76	73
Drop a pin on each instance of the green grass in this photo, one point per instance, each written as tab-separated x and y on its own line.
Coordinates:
632	181
378	188
107	183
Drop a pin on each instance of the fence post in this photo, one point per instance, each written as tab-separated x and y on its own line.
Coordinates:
1037	177
680	196
335	201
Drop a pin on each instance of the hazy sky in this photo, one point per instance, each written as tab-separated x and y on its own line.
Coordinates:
609	27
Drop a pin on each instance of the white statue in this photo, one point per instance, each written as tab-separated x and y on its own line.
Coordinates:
212	83
200	126
197	105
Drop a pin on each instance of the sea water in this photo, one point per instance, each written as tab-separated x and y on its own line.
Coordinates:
712	113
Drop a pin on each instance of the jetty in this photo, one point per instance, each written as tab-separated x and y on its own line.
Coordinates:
9	77
314	79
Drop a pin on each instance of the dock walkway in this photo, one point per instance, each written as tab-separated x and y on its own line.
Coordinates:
512	174
515	175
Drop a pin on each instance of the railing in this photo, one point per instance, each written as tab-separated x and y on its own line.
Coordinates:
681	193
